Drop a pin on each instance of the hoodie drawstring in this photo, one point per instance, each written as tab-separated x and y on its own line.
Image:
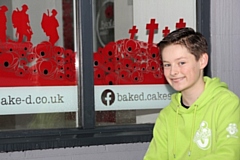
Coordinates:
175	133
192	131
193	126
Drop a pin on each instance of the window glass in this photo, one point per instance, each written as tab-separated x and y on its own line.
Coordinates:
130	87
38	64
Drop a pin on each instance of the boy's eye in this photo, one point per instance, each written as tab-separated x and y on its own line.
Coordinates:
166	65
182	63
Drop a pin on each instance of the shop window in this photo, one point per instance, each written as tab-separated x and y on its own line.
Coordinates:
130	87
80	73
38	65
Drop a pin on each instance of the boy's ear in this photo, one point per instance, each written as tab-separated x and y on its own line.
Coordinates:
203	60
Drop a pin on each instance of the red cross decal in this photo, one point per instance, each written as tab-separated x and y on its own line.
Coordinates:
151	27
166	31
132	32
180	24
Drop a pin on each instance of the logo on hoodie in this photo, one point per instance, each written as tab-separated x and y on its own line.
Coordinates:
232	130
203	136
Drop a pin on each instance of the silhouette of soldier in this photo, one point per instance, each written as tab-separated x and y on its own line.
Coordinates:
20	20
49	25
3	24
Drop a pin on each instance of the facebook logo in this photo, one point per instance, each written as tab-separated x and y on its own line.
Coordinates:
108	97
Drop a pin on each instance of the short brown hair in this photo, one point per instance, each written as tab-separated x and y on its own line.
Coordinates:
195	42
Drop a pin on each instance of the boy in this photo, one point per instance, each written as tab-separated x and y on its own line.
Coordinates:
202	121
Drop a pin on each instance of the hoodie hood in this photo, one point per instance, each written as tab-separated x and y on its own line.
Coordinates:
212	87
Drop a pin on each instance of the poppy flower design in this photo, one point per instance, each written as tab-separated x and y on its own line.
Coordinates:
109	11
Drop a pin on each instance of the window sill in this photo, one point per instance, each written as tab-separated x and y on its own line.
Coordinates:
75	137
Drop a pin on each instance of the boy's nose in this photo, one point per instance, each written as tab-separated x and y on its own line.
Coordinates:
174	70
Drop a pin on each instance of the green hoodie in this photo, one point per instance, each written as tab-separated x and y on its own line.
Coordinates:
208	130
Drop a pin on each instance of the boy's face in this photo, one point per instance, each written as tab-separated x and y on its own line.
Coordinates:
181	69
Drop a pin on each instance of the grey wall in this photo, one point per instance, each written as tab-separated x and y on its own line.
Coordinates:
109	152
225	42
